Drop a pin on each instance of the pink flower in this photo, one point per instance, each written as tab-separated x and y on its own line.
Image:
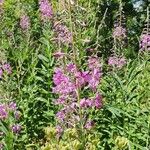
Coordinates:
45	9
80	80
24	22
95	79
3	112
74	106
83	103
118	62
145	42
63	83
12	106
60	115
6	67
59	77
60	100
63	35
119	32
71	68
98	101
86	103
89	124
1	73
93	62
16	128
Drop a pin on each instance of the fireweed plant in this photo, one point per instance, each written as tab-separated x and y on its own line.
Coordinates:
75	113
117	59
75	125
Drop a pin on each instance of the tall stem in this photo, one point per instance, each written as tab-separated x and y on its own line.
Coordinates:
76	65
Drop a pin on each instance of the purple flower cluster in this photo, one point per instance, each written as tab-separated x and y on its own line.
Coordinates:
63	35
45	9
145	42
117	62
16	128
3	112
88	103
5	68
63	83
95	72
24	22
6	109
89	124
67	82
119	32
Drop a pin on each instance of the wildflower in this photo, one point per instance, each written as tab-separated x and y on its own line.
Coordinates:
63	83
6	67
86	103
94	76
45	9
60	115
145	42
67	81
83	103
63	35
59	76
16	128
74	105
98	101
118	62
60	100
119	32
1	73
94	79
24	22
89	124
3	112
93	62
12	106
71	68
80	80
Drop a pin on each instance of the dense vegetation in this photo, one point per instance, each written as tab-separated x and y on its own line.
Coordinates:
74	75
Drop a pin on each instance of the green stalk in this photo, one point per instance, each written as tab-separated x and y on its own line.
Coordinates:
78	89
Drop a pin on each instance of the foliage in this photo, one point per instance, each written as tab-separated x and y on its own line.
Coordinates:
38	36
